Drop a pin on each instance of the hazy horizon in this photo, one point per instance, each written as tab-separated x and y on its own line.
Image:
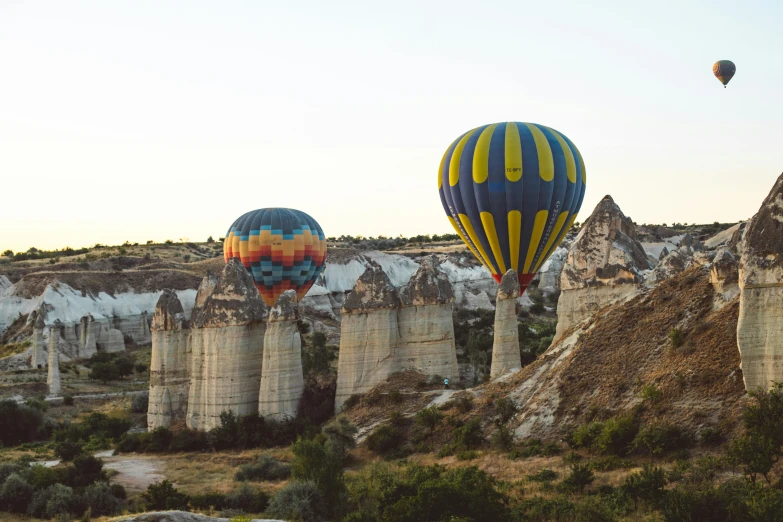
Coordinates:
155	121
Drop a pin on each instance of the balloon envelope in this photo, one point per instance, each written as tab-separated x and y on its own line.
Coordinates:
512	191
282	248
724	71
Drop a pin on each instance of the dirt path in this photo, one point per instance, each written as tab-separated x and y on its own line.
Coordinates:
136	472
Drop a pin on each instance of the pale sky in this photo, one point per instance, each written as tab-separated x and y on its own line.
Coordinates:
141	120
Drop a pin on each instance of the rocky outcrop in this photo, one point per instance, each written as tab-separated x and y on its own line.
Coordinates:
604	265
87	343
38	359
760	324
426	325
369	335
384	331
170	364
724	274
282	380
109	339
227	342
53	376
505	347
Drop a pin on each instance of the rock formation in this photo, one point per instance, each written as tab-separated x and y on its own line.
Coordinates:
53	377
603	266
760	324
87	342
282	380
170	364
38	359
426	325
384	331
505	347
369	335
227	341
723	274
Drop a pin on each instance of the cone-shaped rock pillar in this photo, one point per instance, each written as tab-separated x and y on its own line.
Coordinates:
38	359
169	367
505	348
227	343
53	377
282	381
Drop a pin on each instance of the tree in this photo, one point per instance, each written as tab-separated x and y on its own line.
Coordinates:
315	462
429	418
104	372
8	253
164	495
210	240
124	366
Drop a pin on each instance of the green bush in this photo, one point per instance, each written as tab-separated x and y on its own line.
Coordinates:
85	470
463	403
164	496
352	401
67	450
52	501
646	485
40	477
755	453
101	501
651	393
544	475
503	439
68	400
580	477
617	435
470	435
140	403
6	469
37	403
315	462
208	501
534	448
15	494
660	438
506	409
676	338
610	463
264	468
585	435
710	436
298	501
247	499
21	424
467	455
429	418
384	439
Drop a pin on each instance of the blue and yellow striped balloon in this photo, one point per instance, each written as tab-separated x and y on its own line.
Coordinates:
512	191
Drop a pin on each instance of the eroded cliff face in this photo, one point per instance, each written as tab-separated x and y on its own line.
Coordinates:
170	364
760	324
505	347
227	342
369	335
426	325
604	265
53	369
282	379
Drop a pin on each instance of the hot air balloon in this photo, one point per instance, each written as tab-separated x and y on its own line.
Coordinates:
512	191
282	248
724	71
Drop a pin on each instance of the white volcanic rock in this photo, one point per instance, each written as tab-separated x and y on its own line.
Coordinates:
227	343
724	274
88	344
426	324
604	265
549	275
760	325
505	346
4	283
369	335
53	376
723	237
38	359
671	264
170	364
282	380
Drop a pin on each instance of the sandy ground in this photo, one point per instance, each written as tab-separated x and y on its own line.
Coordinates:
135	472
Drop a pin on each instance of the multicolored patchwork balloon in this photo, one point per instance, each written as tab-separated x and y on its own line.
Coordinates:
724	71
512	191
282	248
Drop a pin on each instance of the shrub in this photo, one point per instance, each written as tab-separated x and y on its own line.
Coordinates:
676	337
651	393
647	485
140	403
755	453
67	450
6	469
298	501
467	455
37	403
396	397
429	418
15	494
610	463
352	401
470	435
464	403
40	477
140	368
585	435
52	501
660	438
580	477
506	409
208	501
68	400
100	500
317	402
163	495
339	435
544	475
503	438
118	491
265	468
384	439
21	424
86	470
314	462
617	435
710	436
247	499
534	448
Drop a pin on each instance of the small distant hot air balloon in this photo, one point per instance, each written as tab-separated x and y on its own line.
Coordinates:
512	191
724	71
282	249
